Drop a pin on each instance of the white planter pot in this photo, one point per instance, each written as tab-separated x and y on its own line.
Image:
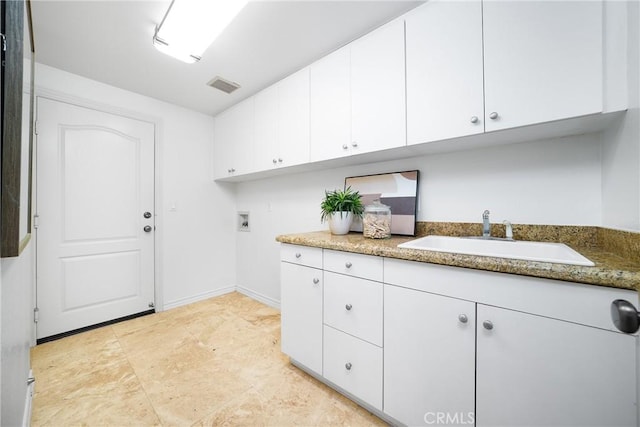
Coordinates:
340	222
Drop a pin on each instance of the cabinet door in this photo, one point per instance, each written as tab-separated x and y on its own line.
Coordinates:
222	146
265	130
233	140
534	370
429	356
293	119
301	314
542	61
445	96
378	89
330	105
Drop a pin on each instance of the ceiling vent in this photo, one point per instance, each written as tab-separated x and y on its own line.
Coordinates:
224	85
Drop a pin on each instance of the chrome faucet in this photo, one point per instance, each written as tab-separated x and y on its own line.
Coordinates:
486	225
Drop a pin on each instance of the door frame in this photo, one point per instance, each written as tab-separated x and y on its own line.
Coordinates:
157	123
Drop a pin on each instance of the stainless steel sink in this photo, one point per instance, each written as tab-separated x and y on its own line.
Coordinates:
516	249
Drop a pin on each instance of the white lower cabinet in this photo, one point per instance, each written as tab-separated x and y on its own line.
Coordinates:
429	356
438	345
301	314
544	372
353	365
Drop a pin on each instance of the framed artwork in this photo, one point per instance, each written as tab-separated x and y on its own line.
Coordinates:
398	190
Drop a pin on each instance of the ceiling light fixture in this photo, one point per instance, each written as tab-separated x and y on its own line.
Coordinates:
190	26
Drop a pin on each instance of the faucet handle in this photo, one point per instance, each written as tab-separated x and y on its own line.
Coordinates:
485	214
508	230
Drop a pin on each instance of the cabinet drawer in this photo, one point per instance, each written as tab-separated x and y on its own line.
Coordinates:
354	306
302	255
364	266
353	365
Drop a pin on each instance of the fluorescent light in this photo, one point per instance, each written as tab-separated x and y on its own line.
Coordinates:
190	26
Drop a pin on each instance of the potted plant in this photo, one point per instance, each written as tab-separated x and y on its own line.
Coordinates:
339	207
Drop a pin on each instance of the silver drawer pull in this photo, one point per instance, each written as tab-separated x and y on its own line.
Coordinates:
488	325
348	264
463	318
348	307
347	366
316	281
298	254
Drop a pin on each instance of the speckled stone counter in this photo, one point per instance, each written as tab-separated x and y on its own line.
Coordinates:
616	254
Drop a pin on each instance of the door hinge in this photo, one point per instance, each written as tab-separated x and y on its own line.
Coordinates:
36	221
36	315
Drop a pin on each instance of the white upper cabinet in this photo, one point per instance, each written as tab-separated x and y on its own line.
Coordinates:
233	141
444	71
330	103
293	119
358	96
542	61
282	123
265	129
528	61
378	89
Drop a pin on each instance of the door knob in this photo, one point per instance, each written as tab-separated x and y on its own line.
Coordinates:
147	215
147	228
463	318
625	316
493	115
488	325
474	119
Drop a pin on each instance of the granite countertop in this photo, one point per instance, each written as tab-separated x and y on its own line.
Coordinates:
616	265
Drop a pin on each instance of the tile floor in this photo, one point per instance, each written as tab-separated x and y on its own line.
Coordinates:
214	362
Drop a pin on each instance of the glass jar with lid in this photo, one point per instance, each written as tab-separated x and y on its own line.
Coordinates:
376	221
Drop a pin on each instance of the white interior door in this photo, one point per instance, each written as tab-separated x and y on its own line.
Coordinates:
95	244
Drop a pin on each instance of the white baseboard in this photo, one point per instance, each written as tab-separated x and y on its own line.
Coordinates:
259	297
195	298
26	417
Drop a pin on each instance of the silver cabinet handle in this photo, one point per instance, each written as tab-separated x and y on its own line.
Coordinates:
279	160
345	146
474	119
347	366
348	307
493	115
348	264
462	318
274	161
316	281
147	229
354	144
488	325
298	254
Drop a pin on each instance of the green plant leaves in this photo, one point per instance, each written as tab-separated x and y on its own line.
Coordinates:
339	200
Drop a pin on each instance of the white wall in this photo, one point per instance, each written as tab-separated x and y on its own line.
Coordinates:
197	241
621	146
16	332
542	182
